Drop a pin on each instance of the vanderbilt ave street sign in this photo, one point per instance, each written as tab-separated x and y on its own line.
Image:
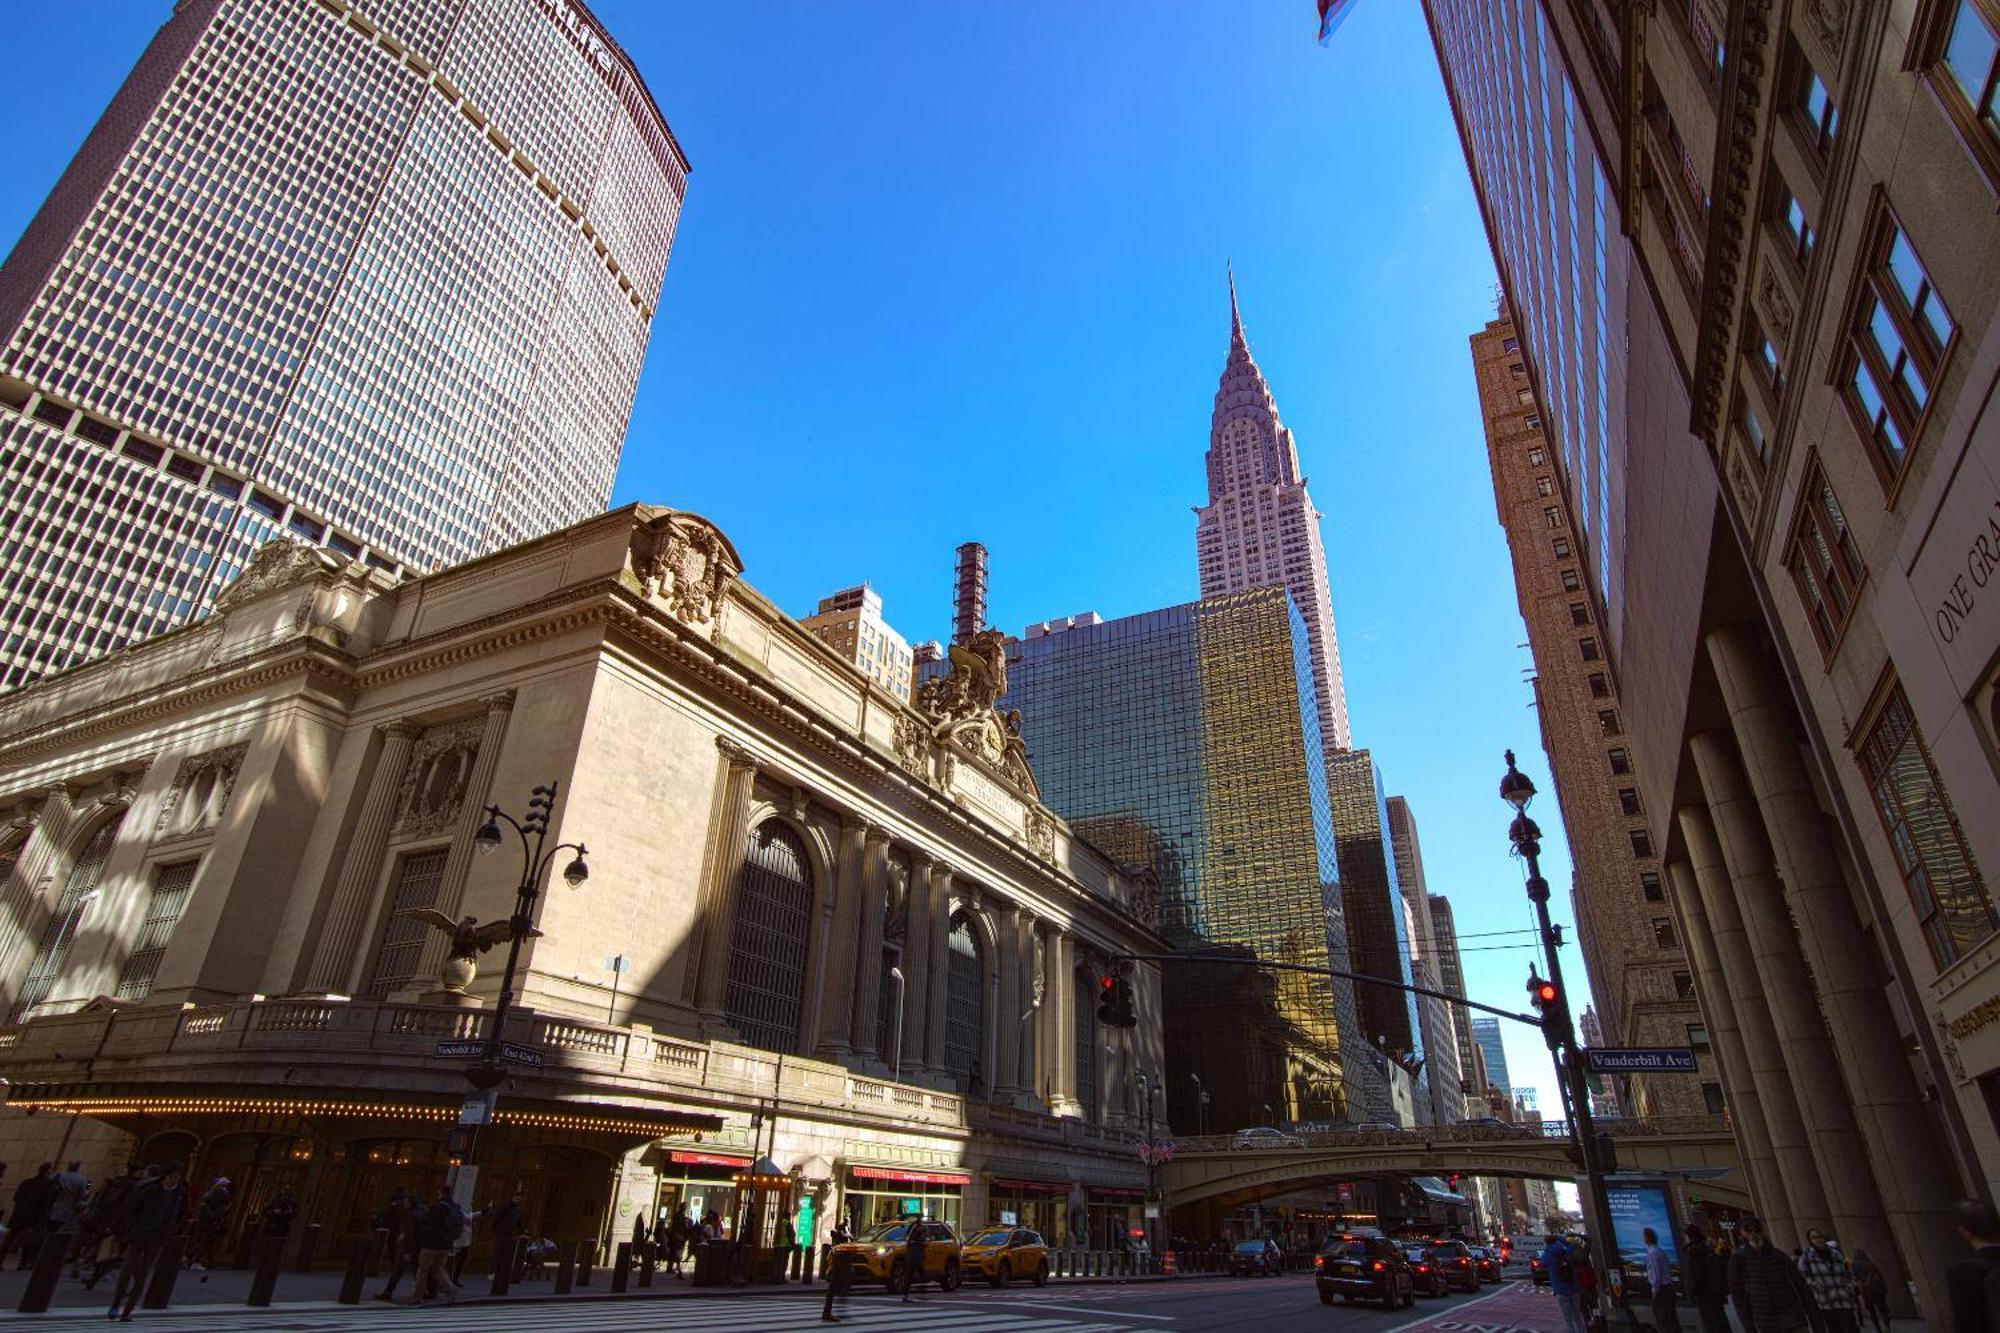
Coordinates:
1641	1060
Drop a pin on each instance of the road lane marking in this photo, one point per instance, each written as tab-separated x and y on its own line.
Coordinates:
1419	1323
1071	1309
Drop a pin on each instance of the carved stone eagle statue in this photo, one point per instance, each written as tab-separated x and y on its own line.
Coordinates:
469	939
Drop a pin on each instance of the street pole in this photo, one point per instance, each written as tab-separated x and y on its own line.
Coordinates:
1517	791
896	975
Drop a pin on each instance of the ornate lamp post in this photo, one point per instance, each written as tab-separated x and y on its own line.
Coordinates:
533	831
1558	1029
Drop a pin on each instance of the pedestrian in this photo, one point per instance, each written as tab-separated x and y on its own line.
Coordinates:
1830	1284
398	1218
711	1226
1586	1283
1705	1280
437	1230
1871	1286
29	1222
838	1236
1763	1284
838	1278
72	1196
103	1239
506	1231
157	1209
913	1262
1559	1262
677	1240
638	1237
1660	1281
461	1242
211	1220
1973	1284
279	1211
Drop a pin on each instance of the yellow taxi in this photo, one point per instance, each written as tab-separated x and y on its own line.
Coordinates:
1002	1253
881	1254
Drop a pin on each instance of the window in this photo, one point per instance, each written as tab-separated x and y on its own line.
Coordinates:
1663	933
1607	721
965	1006
1533	421
1552	516
1510	344
1538	457
765	990
1579	614
1755	438
80	889
1621	760
1896	343
1964	65
417	883
1683	986
1698	1037
1765	353
1791	219
1820	117
163	911
1649	886
1561	547
1588	647
1945	885
1543	486
1628	802
1570	581
1600	688
1642	843
1825	562
1711	1096
1086	1042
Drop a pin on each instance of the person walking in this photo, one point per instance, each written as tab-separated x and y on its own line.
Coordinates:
211	1220
1559	1262
1705	1280
1660	1282
157	1208
839	1277
913	1261
507	1224
437	1230
103	1239
677	1240
1763	1284
1871	1285
29	1221
1972	1284
280	1210
398	1217
1830	1284
72	1197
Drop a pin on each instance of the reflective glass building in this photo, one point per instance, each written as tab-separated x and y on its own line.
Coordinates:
1378	933
375	273
1187	740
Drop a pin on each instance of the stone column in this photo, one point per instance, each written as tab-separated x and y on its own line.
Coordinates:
728	843
471	814
1803	1044
873	909
937	939
916	965
843	941
1720	1005
1062	1050
1909	1161
38	858
1033	1027
1006	1079
340	952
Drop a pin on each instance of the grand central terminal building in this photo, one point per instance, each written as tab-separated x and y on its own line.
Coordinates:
820	923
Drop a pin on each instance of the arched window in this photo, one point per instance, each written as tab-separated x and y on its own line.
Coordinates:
767	942
965	1007
1086	1042
78	891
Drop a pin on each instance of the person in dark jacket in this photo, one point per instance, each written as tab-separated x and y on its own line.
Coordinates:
437	1229
105	1221
913	1264
1763	1283
1705	1280
29	1221
156	1209
1873	1286
1973	1284
396	1219
507	1224
279	1213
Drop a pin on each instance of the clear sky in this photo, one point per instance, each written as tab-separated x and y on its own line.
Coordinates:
953	271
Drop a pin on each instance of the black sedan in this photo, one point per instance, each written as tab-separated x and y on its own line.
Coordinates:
1487	1262
1366	1268
1426	1277
1256	1258
1454	1260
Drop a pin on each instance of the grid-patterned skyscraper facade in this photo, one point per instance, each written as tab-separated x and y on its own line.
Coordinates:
1259	526
378	274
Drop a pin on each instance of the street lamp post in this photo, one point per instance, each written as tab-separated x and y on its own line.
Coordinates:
1201	1103
1517	791
1147	1089
896	975
533	830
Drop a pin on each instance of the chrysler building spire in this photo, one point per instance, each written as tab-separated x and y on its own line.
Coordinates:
1259	525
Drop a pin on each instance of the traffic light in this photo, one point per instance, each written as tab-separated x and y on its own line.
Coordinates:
1547	997
1114	1003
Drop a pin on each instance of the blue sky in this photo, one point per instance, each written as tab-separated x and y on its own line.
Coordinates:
953	271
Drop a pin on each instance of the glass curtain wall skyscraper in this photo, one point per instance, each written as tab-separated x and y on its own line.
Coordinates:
1187	740
377	274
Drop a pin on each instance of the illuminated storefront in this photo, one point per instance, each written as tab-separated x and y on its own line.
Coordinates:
877	1194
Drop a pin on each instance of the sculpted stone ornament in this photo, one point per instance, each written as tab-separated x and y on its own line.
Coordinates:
1041	833
469	939
279	563
689	564
961	708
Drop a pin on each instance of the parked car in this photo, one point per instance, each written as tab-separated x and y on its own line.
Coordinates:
1486	1263
1256	1258
1426	1278
881	1253
1263	1136
1538	1270
1368	1268
1454	1260
1001	1254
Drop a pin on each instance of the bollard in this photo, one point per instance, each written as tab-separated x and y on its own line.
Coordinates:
506	1262
806	1266
266	1280
646	1263
360	1257
160	1289
381	1249
586	1255
621	1267
48	1272
565	1267
308	1245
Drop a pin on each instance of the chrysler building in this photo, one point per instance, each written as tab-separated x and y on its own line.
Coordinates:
1259	526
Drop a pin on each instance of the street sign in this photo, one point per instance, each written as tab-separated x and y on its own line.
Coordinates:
1642	1060
477	1108
514	1053
461	1049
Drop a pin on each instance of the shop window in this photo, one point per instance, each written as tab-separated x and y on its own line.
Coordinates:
1944	882
171	885
765	991
80	890
1824	560
1895	345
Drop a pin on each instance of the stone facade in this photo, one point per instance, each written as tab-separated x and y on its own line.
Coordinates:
852	937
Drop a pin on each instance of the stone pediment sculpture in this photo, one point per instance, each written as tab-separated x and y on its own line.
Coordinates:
962	711
469	939
279	563
684	560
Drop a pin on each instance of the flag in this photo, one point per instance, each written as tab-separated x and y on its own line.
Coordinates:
1331	13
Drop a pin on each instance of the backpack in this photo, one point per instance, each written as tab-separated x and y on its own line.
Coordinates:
1564	1268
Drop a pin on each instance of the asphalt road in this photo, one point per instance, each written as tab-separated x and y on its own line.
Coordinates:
1266	1305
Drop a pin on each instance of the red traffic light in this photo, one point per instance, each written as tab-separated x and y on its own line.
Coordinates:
1545	993
1107	984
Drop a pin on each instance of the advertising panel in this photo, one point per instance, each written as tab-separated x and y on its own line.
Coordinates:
1636	1205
